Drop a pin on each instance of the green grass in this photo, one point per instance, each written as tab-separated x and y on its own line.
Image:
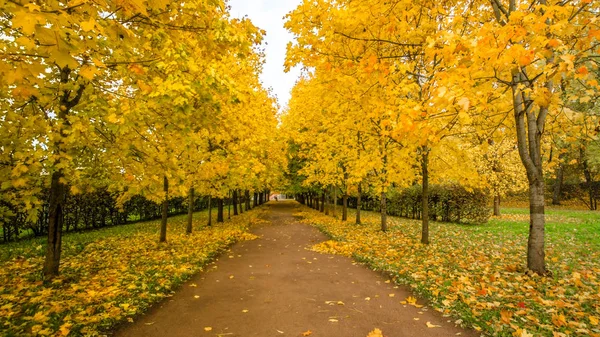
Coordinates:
74	242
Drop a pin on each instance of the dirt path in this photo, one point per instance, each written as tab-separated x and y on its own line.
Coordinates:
274	286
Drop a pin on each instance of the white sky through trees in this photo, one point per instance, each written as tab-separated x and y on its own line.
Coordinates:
268	15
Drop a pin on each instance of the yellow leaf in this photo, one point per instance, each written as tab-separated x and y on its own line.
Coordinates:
593	320
86	26
375	333
429	325
307	333
207	328
88	72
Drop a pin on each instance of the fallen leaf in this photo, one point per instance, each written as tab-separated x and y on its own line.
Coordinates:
429	325
307	333
207	328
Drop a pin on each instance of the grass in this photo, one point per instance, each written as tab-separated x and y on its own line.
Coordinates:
107	275
476	273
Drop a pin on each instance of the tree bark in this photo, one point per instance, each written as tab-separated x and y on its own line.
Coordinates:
558	183
425	197
58	188
327	200
322	202
235	203
55	225
496	205
344	207
383	204
247	193
165	211
220	217
209	211
358	204
241	201
529	146
334	201
188	230
261	197
589	182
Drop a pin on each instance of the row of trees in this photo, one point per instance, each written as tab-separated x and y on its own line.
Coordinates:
478	93
152	98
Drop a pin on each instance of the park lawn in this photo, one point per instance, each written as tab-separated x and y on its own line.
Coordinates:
476	273
107	275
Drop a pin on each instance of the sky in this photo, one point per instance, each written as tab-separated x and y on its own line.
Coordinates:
268	15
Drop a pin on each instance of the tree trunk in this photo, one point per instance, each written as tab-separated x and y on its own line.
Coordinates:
58	189
327	200
334	201
209	211
323	202
497	205
247	193
590	184
235	203
188	230
345	207
383	205
261	196
425	197
529	144
241	201
220	217
557	183
358	204
165	211
55	218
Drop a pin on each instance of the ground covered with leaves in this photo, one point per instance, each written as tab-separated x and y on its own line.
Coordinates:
107	276
477	273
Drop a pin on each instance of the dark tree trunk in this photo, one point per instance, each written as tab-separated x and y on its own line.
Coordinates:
558	183
247	193
345	207
327	200
241	201
323	202
55	225
235	203
220	217
209	223
190	217
590	185
260	198
58	189
497	205
165	211
334	201
425	197
383	205
358	204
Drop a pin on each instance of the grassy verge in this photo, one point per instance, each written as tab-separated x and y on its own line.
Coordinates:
476	273
107	275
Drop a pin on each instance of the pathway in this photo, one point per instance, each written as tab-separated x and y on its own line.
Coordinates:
274	286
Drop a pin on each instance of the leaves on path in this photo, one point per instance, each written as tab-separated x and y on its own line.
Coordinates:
116	274
476	273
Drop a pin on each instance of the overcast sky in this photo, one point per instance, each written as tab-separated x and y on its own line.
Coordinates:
268	15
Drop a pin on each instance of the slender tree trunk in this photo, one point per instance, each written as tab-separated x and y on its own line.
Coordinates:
327	200
558	183
58	189
188	230
247	193
590	184
229	205
334	201
345	207
220	217
496	205
383	204
241	201
529	144
209	211
425	197
323	202
55	225
165	211
261	196
358	204
234	200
